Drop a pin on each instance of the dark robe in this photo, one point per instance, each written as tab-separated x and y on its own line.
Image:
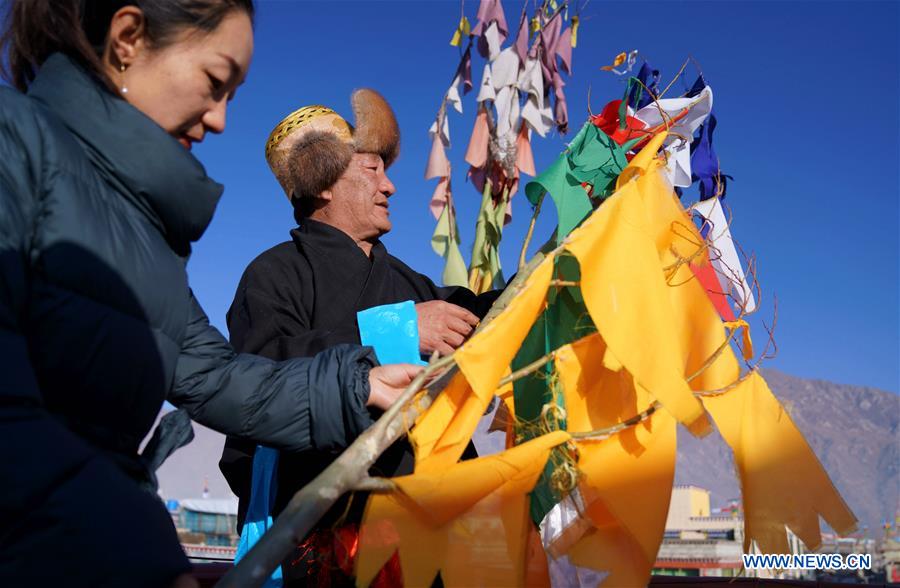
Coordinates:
301	297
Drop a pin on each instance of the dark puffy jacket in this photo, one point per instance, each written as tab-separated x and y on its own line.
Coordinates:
98	326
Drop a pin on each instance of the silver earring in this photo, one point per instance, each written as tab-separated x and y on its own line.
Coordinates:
124	89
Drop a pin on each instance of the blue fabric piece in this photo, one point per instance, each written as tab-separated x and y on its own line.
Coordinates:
259	511
392	330
698	86
705	163
638	97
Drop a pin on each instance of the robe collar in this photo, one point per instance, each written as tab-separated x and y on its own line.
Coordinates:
328	240
146	165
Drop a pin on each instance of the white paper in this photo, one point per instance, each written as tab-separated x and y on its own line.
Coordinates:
565	517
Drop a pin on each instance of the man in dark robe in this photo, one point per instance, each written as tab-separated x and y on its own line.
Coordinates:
303	295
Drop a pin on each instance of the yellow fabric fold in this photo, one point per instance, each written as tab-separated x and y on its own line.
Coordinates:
443	431
434	422
626	293
596	396
782	481
470	521
747	342
627	486
699	328
627	477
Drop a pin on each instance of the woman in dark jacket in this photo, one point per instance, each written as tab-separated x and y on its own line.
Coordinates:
100	200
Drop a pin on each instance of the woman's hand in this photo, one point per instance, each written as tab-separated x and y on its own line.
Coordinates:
387	382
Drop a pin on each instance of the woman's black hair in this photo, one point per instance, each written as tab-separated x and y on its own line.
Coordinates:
34	29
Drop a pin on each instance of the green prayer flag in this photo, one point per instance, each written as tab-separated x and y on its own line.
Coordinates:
488	232
564	321
446	244
591	158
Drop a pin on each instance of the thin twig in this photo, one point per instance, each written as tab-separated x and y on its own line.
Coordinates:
678	75
528	369
601	434
530	233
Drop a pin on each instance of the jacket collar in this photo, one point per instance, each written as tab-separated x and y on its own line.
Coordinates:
134	154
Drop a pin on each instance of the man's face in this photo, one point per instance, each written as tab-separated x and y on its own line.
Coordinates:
359	199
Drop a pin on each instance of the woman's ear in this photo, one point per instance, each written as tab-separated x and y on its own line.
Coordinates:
127	38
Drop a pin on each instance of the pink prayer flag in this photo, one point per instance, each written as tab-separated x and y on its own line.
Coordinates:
549	40
438	164
440	198
558	84
522	39
524	155
564	50
562	113
489	11
478	176
477	153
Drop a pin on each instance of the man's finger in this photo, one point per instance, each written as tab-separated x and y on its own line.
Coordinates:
454	339
458	326
462	313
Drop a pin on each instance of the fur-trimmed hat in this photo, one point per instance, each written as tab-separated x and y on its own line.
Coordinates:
311	148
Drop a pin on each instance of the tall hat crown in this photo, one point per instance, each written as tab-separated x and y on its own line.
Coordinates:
311	147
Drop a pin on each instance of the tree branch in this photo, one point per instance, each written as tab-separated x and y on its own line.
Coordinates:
350	470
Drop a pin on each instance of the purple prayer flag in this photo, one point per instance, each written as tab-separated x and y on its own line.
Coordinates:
465	71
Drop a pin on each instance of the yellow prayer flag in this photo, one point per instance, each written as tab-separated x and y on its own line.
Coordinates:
619	60
575	22
627	477
782	481
626	489
626	293
442	433
470	521
463	29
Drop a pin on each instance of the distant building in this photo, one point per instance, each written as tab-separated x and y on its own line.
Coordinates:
207	522
700	541
890	556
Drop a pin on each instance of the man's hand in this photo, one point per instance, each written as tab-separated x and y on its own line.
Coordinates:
443	326
387	382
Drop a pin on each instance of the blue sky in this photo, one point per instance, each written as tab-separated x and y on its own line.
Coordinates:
806	97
